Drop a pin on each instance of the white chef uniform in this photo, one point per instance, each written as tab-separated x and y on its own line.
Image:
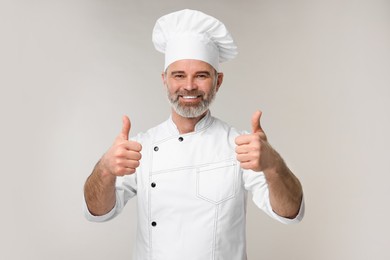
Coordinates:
191	194
190	189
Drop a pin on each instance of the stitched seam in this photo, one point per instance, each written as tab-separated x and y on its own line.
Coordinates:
177	135
184	135
193	167
222	200
215	233
149	221
150	209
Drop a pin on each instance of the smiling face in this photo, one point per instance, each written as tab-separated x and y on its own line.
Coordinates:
191	87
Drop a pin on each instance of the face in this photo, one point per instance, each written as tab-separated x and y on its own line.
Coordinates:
191	87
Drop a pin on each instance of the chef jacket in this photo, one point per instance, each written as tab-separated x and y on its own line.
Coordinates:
191	194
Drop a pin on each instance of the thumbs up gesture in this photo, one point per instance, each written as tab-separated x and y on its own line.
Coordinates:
123	157
253	150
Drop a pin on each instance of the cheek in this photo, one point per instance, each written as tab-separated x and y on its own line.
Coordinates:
209	88
170	91
173	87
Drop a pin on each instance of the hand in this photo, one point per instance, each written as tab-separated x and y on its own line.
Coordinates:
253	150
123	157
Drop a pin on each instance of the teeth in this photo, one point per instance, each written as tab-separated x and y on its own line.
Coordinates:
190	97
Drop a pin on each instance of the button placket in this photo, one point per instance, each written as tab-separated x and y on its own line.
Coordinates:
153	185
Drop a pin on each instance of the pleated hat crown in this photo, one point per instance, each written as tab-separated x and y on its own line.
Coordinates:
190	34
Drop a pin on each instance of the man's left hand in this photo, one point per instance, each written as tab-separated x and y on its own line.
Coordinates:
253	150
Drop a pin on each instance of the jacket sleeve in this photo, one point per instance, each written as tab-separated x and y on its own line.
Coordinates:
256	183
126	188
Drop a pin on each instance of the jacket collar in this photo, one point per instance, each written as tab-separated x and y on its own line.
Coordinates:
205	122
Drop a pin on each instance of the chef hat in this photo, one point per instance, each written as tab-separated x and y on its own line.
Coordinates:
190	34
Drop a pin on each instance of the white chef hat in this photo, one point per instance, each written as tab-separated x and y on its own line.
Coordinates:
190	34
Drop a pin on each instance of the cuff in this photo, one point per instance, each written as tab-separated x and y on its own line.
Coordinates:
298	218
90	217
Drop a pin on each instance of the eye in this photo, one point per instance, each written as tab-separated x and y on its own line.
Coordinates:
202	76
179	76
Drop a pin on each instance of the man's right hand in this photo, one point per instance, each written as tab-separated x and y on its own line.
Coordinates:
123	157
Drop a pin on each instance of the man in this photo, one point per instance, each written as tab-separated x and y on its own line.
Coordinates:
191	174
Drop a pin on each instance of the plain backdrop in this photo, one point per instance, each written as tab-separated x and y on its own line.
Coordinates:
319	71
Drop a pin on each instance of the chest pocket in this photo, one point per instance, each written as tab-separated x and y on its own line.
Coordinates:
217	182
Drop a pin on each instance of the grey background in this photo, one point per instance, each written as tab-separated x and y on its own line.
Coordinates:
319	70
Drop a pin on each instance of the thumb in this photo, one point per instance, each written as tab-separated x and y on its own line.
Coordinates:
256	127
126	125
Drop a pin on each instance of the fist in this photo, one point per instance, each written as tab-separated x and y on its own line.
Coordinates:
124	156
253	151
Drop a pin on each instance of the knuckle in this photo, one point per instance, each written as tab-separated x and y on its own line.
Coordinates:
257	138
118	152
118	171
117	162
137	156
135	146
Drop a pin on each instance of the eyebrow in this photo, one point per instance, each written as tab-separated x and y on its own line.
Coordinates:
177	72
204	72
198	72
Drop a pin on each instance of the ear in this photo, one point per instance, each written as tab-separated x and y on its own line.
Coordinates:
219	79
163	77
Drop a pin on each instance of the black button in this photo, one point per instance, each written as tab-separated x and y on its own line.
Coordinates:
153	184
156	148
181	139
154	224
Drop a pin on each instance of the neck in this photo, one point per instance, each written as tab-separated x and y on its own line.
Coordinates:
186	125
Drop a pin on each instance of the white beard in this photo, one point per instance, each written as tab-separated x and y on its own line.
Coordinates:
189	111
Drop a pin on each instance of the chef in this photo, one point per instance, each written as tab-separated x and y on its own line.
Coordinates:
191	175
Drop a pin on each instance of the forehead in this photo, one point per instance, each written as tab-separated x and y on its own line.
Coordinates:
189	66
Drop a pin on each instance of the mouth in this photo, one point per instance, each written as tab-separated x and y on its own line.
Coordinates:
190	99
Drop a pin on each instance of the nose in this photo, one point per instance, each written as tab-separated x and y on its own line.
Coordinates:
190	84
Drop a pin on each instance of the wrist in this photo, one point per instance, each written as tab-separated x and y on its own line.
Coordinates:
103	173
